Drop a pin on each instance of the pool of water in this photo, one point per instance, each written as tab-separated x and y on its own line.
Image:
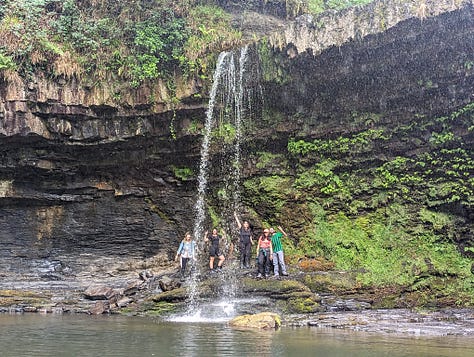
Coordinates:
81	335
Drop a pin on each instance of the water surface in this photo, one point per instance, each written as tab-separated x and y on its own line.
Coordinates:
81	335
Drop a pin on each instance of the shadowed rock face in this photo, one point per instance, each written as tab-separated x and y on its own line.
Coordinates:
416	67
71	211
87	189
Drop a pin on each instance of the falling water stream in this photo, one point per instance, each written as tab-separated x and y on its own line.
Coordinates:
230	94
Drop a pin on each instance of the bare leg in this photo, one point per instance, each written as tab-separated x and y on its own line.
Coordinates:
221	260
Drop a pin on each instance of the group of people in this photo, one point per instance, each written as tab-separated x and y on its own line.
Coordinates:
269	250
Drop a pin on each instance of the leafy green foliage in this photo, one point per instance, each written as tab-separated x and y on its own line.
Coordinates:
380	250
270	161
358	143
158	46
137	41
226	132
183	173
6	62
267	192
323	178
209	29
318	6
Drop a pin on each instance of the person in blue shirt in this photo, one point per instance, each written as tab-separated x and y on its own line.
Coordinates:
187	251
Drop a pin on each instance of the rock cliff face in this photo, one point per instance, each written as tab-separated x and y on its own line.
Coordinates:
398	76
89	188
86	187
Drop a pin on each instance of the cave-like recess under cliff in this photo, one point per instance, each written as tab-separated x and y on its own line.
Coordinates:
86	189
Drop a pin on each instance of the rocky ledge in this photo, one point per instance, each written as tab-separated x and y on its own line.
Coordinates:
294	298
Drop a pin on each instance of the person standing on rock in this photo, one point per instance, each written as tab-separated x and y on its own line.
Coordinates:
278	256
265	253
214	250
245	241
187	251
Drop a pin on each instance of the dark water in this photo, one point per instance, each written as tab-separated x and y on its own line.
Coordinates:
81	335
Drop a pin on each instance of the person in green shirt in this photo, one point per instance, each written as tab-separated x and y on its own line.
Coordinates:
278	256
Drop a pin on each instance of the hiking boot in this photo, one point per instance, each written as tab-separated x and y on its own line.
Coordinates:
284	274
259	276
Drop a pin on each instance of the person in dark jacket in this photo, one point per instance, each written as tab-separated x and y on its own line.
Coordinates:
214	250
245	241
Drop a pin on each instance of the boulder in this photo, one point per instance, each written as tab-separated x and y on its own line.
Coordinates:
166	283
263	320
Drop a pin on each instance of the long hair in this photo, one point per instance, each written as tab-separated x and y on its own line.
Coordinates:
185	235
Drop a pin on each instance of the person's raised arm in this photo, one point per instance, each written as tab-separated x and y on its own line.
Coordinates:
237	220
282	231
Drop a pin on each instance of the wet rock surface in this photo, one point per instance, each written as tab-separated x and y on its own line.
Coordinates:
263	320
457	322
297	305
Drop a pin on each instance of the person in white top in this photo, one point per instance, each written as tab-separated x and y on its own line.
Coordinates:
187	251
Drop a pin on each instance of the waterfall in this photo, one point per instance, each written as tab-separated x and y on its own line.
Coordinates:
239	112
229	102
204	164
225	112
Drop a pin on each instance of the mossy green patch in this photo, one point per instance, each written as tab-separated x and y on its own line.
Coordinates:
15	297
272	286
175	295
161	308
301	305
331	282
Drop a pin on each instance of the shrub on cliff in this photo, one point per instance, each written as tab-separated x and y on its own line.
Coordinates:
133	41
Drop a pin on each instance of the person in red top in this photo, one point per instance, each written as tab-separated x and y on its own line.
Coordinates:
265	253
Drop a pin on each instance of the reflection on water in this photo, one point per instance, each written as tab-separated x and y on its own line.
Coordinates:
79	335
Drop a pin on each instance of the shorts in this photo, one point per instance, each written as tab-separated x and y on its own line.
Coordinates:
214	251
